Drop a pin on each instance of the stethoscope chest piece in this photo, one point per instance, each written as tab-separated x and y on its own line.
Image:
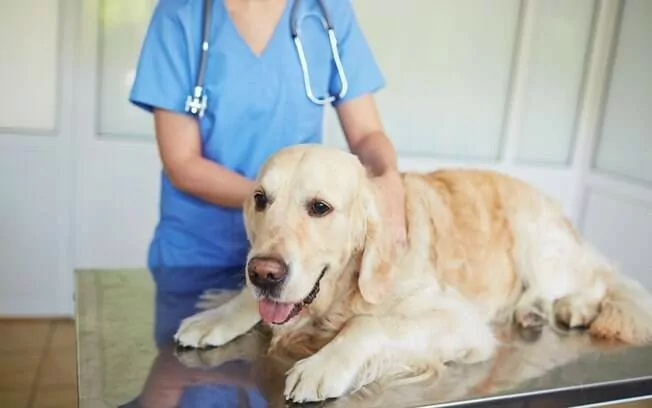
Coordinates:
197	101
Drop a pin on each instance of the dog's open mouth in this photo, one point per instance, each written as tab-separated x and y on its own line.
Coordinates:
279	313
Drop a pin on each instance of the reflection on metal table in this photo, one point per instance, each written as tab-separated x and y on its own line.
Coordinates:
120	365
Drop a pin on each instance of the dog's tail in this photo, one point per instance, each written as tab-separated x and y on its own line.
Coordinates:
625	312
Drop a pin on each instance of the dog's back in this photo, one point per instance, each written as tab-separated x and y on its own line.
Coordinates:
509	249
465	215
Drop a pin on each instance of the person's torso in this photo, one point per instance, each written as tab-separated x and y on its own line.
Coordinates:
256	105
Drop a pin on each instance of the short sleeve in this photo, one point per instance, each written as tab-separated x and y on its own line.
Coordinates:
162	77
362	72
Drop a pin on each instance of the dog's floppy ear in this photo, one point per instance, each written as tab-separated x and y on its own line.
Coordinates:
375	276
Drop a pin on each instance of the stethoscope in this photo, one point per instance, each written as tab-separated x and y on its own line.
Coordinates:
196	102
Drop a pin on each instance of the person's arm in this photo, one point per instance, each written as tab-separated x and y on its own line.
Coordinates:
362	126
179	146
367	140
357	110
366	137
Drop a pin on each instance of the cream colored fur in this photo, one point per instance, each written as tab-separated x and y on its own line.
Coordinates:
482	247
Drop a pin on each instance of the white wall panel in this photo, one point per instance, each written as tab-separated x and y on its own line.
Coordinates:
447	63
29	42
553	66
36	72
625	145
117	205
620	227
122	29
30	230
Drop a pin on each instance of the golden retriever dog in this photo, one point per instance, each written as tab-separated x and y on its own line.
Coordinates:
482	247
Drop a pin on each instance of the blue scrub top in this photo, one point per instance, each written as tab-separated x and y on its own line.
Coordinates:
256	106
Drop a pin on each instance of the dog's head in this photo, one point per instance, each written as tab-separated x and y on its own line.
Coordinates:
313	212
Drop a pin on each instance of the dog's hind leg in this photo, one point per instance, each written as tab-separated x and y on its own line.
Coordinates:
565	279
576	287
576	309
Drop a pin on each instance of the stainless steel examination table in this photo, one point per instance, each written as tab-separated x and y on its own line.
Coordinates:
120	366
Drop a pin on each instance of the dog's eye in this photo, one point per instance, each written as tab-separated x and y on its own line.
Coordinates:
318	208
260	199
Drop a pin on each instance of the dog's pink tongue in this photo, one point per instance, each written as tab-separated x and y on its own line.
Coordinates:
274	312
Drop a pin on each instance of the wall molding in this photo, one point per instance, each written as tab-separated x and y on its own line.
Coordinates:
517	83
632	197
582	91
596	78
622	186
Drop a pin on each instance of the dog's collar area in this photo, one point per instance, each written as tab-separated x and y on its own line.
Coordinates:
307	300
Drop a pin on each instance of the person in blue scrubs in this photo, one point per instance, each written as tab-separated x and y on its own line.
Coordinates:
257	104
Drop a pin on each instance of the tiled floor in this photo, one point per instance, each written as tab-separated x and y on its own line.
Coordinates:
37	364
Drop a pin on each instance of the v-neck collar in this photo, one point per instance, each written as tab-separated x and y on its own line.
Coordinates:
272	39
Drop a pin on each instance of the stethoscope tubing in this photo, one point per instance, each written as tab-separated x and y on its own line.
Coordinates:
196	102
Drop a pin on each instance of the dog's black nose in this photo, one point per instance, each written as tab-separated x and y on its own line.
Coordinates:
266	271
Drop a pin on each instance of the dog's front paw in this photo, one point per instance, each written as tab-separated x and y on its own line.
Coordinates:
210	328
317	378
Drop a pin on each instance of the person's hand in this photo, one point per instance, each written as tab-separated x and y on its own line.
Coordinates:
392	196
